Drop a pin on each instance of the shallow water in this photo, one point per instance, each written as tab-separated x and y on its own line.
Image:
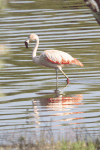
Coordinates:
28	96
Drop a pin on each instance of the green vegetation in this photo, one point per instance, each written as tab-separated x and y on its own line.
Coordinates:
48	142
80	145
60	145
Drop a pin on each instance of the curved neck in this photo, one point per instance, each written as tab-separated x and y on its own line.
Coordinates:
35	48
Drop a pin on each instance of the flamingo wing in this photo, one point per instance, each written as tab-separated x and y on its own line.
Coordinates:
59	57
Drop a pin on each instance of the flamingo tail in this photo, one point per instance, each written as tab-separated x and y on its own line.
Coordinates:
77	62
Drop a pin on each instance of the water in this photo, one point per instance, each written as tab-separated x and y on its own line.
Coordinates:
28	96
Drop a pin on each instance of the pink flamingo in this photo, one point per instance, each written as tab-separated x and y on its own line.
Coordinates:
51	58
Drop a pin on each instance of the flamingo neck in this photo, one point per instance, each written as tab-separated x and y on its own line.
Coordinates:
35	59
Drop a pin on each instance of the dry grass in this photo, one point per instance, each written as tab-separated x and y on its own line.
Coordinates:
45	140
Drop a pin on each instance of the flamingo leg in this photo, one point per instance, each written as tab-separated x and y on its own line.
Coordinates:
65	76
56	77
64	87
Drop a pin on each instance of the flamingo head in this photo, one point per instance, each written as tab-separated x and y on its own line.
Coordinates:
31	37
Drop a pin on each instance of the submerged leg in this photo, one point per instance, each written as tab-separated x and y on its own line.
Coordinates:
56	78
65	76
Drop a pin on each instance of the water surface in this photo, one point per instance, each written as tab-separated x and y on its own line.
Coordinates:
28	96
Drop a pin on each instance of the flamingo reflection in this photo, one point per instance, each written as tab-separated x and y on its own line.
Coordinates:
56	106
61	103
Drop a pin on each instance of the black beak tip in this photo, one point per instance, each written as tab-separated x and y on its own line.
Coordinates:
26	44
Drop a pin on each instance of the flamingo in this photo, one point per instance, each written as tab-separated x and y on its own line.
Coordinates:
51	58
94	5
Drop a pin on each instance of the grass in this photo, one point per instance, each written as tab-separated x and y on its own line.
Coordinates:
80	145
60	145
45	140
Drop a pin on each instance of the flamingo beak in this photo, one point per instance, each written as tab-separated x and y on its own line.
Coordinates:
26	44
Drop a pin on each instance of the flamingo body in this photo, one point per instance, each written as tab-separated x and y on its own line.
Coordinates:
52	58
56	58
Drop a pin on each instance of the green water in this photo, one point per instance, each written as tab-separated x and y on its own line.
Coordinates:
27	91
